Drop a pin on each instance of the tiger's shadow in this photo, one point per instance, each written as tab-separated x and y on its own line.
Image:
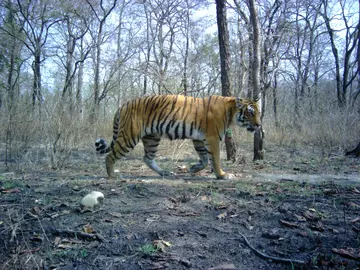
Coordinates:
184	177
178	177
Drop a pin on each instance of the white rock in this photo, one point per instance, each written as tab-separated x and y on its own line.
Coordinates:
92	199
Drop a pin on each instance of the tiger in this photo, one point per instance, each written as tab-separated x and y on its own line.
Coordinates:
203	120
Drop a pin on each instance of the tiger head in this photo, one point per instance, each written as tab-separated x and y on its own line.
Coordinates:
248	113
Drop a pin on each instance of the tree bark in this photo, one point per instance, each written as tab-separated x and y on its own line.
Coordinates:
223	35
36	96
255	70
275	101
148	50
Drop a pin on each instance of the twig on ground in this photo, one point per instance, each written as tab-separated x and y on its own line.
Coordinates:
171	256
13	232
264	256
89	236
29	250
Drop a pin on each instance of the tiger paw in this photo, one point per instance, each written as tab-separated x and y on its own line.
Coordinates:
196	168
114	174
181	169
226	176
167	173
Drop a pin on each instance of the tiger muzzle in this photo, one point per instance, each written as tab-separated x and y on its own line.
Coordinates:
252	127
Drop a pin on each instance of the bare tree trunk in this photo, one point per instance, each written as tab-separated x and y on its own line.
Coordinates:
357	92
259	134
245	18
275	101
36	96
120	94
251	57
223	46
67	93
11	95
98	42
148	49
80	81
351	41
95	111
225	68
241	64
186	54
336	56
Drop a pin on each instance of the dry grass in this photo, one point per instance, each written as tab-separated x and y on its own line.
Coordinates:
55	132
325	126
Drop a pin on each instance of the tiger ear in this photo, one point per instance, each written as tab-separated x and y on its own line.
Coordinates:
239	102
258	101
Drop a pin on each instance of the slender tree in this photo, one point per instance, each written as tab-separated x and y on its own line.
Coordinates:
166	18
186	53
74	35
224	49
37	20
101	17
305	28
255	71
10	63
273	31
344	80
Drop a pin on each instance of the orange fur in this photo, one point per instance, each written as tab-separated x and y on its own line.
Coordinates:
204	120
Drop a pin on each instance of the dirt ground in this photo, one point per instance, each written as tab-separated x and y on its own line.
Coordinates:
297	209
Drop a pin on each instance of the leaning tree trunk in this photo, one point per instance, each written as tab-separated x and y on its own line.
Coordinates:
355	152
224	49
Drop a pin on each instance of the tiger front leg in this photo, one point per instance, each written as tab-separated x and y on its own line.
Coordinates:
213	147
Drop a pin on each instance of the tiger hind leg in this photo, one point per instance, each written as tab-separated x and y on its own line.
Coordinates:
119	150
202	153
151	143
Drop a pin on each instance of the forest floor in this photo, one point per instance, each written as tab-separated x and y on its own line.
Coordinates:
299	207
